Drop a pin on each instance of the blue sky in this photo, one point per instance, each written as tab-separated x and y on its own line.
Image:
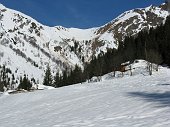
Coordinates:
76	13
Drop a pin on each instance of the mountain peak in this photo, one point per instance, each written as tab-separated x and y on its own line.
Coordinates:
2	6
132	21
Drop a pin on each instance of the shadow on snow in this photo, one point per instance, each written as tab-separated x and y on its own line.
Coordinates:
164	84
163	99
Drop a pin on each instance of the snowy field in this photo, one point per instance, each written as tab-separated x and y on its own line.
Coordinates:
132	101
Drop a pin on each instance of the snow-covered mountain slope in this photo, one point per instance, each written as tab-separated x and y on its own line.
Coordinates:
132	101
27	46
133	21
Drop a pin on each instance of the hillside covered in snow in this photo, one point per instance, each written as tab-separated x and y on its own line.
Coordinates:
140	100
27	46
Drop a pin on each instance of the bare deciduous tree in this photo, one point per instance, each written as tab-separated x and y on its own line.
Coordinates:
153	57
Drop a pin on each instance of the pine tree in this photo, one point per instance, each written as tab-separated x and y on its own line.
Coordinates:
48	80
77	74
4	76
57	80
64	78
1	84
13	82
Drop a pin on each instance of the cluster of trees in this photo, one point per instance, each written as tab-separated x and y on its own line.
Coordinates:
4	78
8	81
67	78
152	45
25	83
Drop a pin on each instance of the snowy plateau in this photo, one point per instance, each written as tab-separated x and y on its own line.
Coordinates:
140	100
27	46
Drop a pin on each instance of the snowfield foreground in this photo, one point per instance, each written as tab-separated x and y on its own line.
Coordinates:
132	101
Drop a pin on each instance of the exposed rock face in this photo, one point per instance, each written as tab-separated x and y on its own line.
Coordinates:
131	22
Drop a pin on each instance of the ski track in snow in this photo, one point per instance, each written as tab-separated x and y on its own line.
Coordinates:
136	101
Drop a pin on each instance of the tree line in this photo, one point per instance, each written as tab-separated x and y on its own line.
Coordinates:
68	77
152	45
9	82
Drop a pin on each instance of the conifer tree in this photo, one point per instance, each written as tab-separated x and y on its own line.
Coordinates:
64	78
77	74
1	84
57	80
48	80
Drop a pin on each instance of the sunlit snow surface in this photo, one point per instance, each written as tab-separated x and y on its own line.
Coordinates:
137	101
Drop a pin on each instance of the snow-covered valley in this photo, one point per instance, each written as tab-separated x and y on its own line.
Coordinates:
140	100
27	47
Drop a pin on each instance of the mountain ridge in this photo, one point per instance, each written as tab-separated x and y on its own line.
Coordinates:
37	45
